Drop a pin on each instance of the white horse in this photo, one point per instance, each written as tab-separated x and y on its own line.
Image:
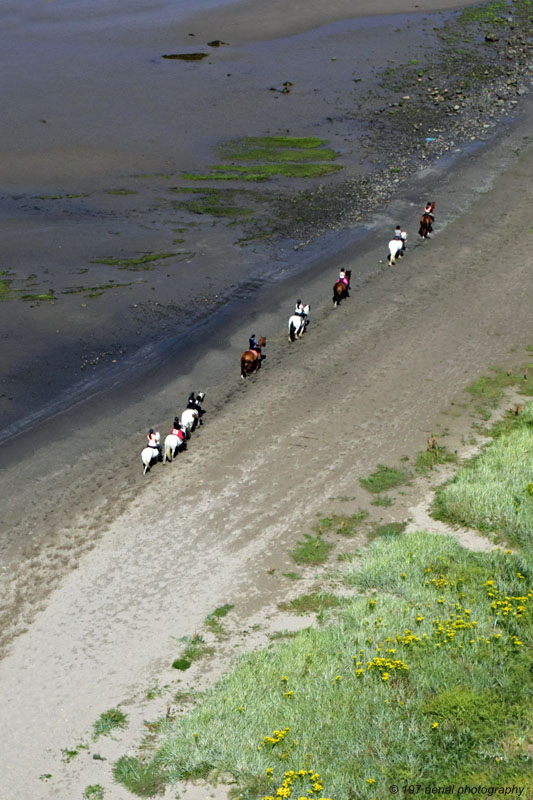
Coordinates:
298	324
396	248
150	455
189	421
171	447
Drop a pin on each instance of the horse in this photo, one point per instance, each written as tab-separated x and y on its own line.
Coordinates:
251	359
189	421
192	416
173	444
425	222
298	324
396	248
340	289
150	455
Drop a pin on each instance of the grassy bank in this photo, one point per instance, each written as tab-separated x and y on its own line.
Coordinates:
421	677
494	492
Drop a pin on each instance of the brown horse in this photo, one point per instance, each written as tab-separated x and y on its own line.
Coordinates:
425	222
251	359
340	290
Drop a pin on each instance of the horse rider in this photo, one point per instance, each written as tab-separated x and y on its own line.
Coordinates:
399	235
193	403
152	441
343	278
429	210
254	344
299	309
177	430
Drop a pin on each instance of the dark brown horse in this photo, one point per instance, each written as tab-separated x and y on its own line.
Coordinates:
340	289
251	359
425	222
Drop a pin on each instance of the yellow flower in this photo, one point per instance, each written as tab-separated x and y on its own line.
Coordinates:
435	725
288	694
284	678
338	678
269	771
370	780
385	676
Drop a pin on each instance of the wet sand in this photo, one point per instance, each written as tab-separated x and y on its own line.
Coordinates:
102	569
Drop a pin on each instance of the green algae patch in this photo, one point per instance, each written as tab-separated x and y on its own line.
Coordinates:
216	202
228	172
47	297
186	56
95	291
285	156
120	191
296	142
134	263
5	290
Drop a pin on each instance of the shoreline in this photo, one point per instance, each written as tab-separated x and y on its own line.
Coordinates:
136	303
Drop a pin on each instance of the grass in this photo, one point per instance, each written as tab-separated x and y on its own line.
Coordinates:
68	755
384	478
382	500
195	650
313	550
492	492
144	780
426	460
387	531
312	603
343	525
133	263
94	792
488	390
425	681
108	721
212	621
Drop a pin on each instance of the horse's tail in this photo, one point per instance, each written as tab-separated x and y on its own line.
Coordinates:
243	366
168	452
292	331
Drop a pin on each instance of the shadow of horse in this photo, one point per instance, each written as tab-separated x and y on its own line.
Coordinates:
426	223
251	359
340	289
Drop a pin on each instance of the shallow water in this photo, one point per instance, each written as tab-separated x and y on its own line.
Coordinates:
93	108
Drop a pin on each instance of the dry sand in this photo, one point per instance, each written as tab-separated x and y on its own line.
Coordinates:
103	570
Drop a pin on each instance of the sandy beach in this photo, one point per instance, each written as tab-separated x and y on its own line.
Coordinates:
102	569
